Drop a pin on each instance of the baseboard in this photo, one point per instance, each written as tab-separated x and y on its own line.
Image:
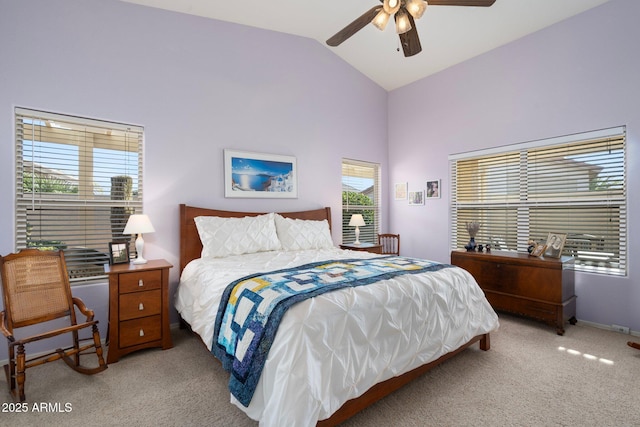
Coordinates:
608	328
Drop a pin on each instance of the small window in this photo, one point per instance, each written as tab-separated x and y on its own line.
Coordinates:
360	195
77	182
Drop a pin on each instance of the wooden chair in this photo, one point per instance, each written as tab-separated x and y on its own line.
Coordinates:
36	290
390	243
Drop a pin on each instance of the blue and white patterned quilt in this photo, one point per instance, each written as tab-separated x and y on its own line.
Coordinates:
252	307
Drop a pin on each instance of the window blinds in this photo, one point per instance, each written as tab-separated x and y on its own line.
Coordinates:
77	182
360	195
574	185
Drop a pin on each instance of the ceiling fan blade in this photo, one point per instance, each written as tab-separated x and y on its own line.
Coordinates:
479	3
410	41
354	27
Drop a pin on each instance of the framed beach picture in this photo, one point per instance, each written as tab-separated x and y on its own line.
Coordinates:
259	175
416	197
433	189
400	191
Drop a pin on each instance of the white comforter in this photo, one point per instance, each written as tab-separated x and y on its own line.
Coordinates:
334	347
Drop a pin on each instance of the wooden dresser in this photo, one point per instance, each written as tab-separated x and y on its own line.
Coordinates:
541	288
138	307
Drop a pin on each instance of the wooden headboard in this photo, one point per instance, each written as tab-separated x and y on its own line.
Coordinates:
190	244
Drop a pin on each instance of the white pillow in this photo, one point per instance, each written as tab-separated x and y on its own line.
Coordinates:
298	234
222	237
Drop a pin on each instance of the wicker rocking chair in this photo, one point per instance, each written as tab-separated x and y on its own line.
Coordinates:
36	290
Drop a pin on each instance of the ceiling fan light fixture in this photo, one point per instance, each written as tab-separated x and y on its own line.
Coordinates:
381	20
402	22
391	6
416	8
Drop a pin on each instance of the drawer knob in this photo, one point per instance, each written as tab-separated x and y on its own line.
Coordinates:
140	283
140	307
141	333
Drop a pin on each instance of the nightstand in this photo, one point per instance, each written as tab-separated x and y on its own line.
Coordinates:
365	247
138	307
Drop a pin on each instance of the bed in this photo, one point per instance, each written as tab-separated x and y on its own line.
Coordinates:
338	352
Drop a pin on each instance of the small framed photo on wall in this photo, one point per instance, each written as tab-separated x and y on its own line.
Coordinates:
416	197
433	189
118	253
400	191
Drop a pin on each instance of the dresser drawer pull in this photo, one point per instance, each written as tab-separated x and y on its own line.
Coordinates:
140	283
141	333
141	307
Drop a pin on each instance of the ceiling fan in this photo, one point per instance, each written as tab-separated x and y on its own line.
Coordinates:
404	11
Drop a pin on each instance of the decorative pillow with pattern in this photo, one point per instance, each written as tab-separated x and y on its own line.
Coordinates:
222	237
299	234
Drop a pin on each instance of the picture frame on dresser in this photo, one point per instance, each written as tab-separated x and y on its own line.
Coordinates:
538	250
118	253
555	244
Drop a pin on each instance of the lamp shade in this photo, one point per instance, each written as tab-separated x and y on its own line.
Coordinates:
403	24
416	7
138	224
381	20
391	6
357	221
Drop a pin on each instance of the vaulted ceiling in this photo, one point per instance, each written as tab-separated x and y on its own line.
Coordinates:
448	34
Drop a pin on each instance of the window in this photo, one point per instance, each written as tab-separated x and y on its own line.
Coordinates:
77	182
360	195
574	185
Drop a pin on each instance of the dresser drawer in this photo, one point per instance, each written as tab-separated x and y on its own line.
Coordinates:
140	304
139	331
522	280
140	281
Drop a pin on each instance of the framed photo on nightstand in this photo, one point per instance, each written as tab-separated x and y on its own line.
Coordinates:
118	253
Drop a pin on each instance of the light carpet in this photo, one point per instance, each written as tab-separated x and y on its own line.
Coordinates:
530	377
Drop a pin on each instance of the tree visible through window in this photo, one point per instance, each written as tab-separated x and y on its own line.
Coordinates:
77	182
360	195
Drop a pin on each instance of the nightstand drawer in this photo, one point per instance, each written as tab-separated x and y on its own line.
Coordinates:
140	331
140	304
140	281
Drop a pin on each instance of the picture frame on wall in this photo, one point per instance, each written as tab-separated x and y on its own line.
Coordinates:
118	253
256	175
416	198
433	189
555	244
400	191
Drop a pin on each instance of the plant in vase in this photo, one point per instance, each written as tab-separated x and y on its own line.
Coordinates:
472	229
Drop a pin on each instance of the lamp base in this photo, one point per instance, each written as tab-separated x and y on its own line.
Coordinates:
139	260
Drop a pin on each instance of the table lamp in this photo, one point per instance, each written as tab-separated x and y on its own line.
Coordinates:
357	221
138	224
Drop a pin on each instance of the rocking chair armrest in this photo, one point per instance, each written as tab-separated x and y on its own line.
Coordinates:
3	327
54	333
83	308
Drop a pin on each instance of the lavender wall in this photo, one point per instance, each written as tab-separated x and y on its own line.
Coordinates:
576	76
197	86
